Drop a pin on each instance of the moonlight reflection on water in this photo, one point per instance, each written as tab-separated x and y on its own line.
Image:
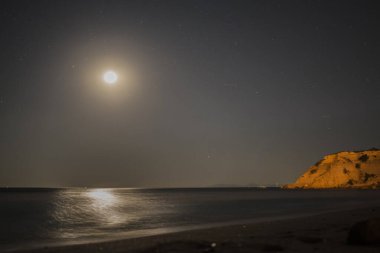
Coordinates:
79	212
102	198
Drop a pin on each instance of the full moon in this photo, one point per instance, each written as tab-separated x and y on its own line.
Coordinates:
110	77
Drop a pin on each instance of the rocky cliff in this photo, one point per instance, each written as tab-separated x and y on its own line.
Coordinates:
359	169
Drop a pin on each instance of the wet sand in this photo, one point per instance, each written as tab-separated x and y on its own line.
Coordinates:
318	233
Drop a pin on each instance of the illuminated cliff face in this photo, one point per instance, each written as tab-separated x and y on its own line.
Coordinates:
343	170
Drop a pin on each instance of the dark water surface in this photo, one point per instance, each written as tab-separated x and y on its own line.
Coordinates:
40	216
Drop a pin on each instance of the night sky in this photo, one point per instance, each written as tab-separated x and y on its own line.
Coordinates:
209	92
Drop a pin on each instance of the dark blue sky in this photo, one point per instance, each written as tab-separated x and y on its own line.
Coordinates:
210	92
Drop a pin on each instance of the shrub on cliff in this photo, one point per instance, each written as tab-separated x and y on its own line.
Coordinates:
363	158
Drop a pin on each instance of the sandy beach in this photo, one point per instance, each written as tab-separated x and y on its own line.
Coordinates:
318	233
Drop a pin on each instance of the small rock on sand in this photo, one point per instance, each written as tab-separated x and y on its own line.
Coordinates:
365	232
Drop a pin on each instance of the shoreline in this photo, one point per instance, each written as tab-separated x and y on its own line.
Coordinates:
236	236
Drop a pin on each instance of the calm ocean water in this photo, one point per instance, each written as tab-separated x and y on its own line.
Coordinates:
31	217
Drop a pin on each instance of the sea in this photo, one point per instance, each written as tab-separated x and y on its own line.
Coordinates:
36	217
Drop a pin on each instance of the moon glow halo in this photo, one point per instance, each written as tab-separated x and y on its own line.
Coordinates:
110	77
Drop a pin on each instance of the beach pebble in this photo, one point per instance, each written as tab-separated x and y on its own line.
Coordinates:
365	232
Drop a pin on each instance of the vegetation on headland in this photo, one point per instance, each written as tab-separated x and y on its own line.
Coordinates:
354	169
